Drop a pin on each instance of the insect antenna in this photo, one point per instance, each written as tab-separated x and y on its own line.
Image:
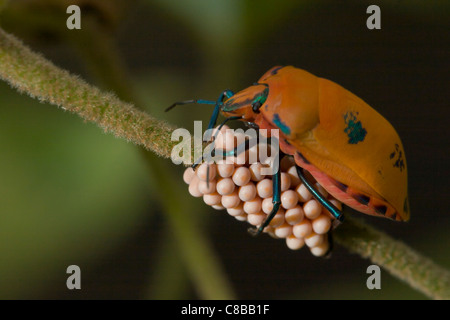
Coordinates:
198	101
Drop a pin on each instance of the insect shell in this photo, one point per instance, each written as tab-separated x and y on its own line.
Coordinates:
347	146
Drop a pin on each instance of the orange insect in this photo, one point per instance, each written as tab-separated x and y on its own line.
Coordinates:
347	146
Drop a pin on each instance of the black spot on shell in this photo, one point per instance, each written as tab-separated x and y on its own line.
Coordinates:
341	186
406	205
398	154
361	198
275	71
381	209
303	158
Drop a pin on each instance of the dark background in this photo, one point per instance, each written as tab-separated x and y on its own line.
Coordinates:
81	197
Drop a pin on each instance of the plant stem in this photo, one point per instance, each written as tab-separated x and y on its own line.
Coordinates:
31	73
396	257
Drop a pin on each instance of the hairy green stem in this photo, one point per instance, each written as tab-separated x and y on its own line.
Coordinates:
31	73
396	257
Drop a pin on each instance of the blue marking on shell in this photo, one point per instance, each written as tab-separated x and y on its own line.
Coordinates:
354	130
280	124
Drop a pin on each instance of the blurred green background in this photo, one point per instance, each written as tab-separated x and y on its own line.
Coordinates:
69	194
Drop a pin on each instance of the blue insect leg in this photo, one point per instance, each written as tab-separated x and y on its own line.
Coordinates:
276	183
319	197
224	95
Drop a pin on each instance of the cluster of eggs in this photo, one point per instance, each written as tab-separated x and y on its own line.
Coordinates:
245	192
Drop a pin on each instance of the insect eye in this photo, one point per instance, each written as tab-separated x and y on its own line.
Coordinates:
256	106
